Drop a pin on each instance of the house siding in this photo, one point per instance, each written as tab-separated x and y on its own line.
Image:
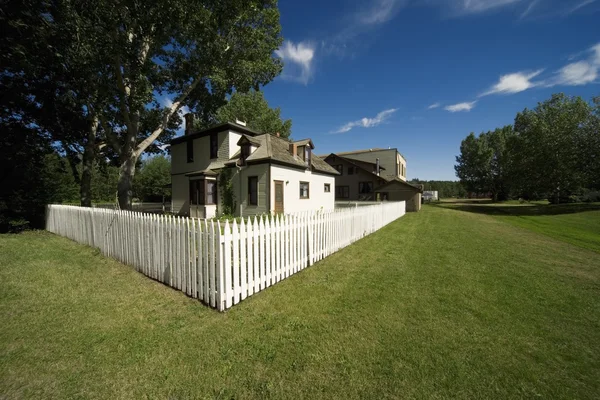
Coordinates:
390	159
352	181
240	188
291	177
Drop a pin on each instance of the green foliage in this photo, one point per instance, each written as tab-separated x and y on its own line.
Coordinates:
481	165
153	180
445	189
553	152
228	203
253	108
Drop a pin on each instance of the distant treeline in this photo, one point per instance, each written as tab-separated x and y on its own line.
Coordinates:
551	152
445	189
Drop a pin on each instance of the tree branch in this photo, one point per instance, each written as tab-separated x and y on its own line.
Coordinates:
165	122
111	138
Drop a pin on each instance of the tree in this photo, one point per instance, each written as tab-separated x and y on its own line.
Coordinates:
194	52
153	182
482	163
253	108
549	147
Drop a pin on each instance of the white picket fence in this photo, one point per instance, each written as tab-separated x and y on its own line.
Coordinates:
220	264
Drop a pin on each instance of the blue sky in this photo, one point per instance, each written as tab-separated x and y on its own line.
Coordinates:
420	75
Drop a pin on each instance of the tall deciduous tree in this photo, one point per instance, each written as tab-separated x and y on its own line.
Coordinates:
550	145
253	108
194	52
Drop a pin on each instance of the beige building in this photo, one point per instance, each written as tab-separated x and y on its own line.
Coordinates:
364	173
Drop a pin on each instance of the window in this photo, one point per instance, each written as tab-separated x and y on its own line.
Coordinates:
203	192
214	145
342	192
304	190
365	187
190	151
245	153
350	170
193	193
382	196
307	155
327	188
339	168
253	190
301	153
211	192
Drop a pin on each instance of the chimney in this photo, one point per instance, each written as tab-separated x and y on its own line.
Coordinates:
377	166
293	149
189	123
242	123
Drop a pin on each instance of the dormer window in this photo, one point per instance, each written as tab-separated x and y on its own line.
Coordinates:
304	154
245	152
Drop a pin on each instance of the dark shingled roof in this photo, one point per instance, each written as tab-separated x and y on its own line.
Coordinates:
273	148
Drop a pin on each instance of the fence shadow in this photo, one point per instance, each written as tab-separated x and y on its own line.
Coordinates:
489	208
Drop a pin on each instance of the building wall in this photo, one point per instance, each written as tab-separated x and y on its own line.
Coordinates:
412	198
390	159
352	181
291	177
180	196
240	189
227	148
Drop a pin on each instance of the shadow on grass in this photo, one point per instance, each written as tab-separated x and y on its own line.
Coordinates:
490	208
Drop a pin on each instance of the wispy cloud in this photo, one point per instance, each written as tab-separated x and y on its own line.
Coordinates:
298	60
529	9
477	6
366	122
460	107
580	72
380	11
579	6
514	83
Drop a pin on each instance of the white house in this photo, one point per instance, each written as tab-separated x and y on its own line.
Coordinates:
232	167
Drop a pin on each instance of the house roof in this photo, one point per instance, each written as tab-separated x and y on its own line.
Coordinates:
364	165
275	149
398	181
363	151
215	129
249	139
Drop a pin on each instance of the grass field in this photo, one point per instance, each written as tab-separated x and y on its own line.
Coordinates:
445	303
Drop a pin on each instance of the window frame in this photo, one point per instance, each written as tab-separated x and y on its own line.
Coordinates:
337	187
302	197
213	194
339	168
327	188
351	170
250	179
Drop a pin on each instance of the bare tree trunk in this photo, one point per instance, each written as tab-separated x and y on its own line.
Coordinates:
125	186
89	155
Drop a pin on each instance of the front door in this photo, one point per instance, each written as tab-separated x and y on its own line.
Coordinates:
278	197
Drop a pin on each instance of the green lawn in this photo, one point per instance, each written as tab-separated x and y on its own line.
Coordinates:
439	304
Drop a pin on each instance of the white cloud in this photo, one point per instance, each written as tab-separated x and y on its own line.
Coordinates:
579	6
434	105
367	122
476	6
381	11
529	8
461	107
298	60
514	83
578	73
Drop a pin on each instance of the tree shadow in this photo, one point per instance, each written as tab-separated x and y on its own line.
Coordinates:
489	208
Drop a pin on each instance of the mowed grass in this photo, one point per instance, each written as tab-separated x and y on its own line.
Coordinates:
578	224
439	304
